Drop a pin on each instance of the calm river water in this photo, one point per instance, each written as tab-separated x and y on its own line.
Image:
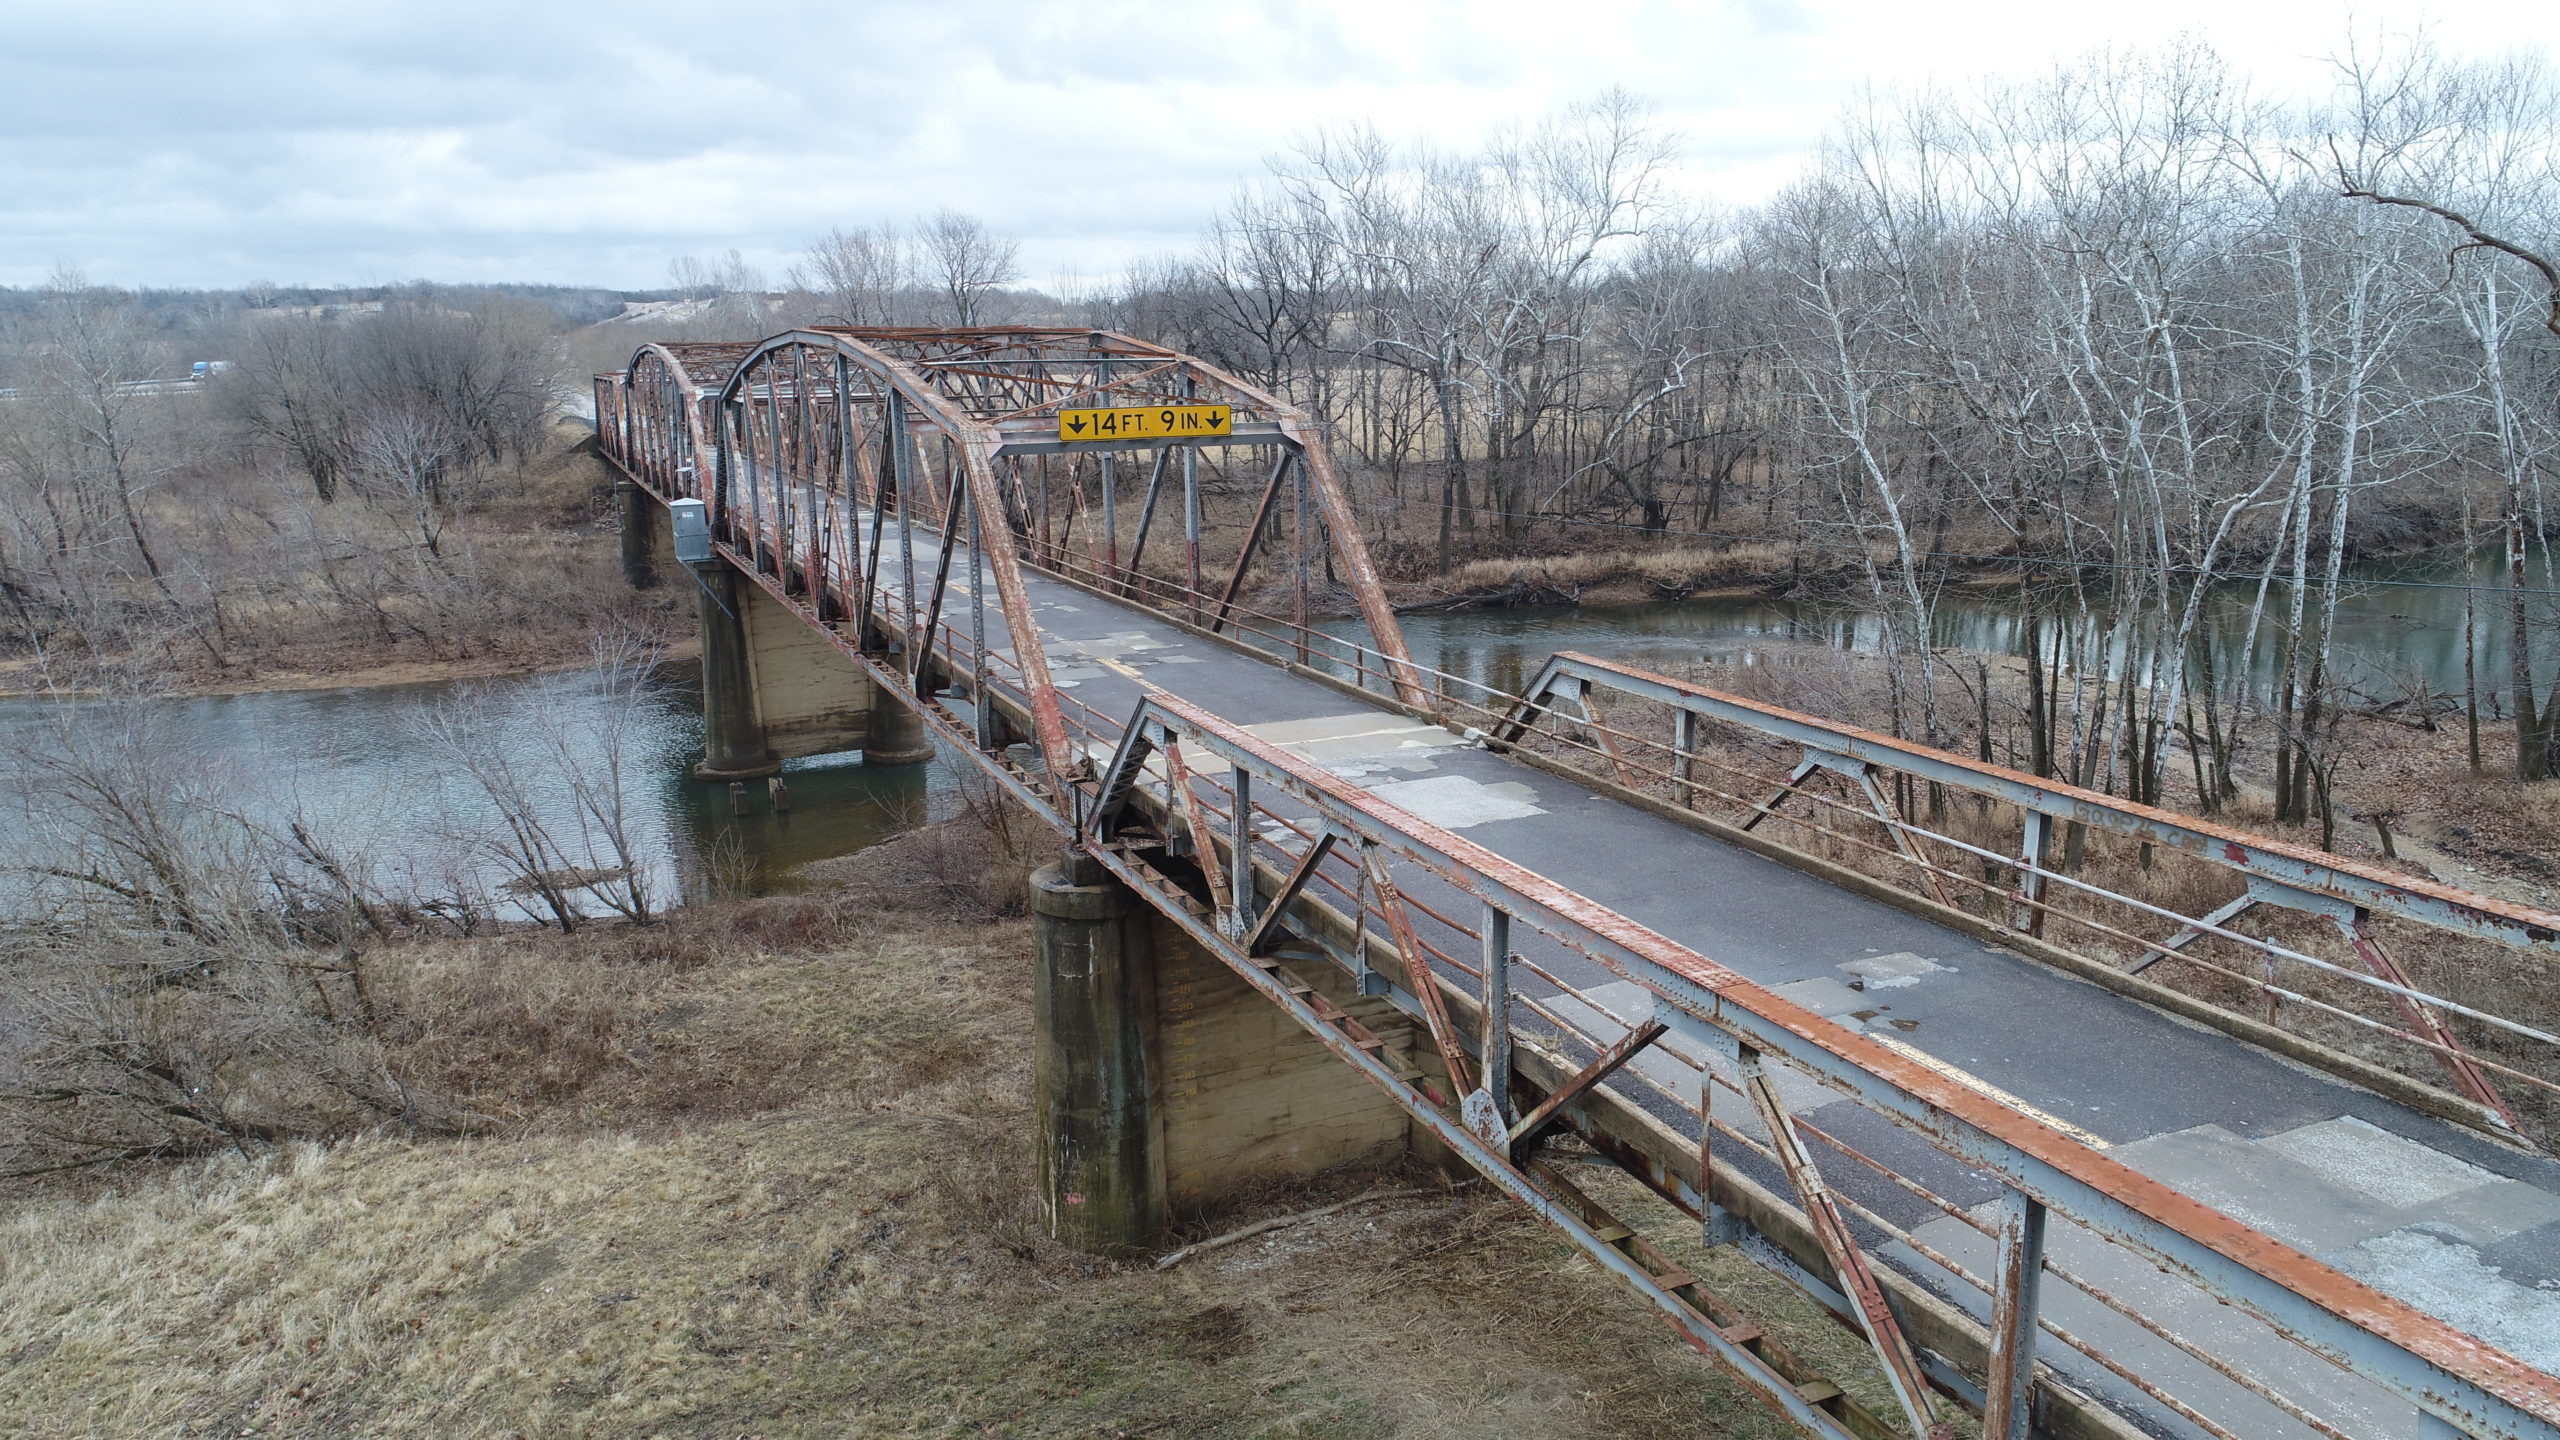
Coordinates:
2400	623
349	763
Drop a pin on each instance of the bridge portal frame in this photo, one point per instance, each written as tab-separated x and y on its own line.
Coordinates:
868	412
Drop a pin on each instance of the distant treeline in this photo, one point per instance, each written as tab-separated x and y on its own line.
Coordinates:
180	312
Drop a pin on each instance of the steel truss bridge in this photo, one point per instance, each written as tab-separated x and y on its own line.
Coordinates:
2016	1207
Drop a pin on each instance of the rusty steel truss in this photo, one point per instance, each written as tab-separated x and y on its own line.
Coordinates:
854	473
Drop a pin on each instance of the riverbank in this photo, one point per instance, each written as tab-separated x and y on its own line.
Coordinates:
1602	577
766	1170
514	576
26	679
1606	575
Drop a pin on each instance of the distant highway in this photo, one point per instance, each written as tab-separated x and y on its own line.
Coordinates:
129	387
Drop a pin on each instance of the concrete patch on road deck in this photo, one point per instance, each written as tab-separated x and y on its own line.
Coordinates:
1122	654
2457	1199
1825	997
1362	743
2261	1188
2387	1167
2396	1213
1110	647
2446	1279
1454	802
1352	746
1894	971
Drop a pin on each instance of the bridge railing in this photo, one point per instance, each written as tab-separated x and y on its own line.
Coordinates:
2429	993
1269	830
2033	860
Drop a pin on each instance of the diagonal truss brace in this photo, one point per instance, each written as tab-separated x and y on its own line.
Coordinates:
1619	1053
1258	939
1857	1279
1861	773
2456	1060
1435	1010
2355	922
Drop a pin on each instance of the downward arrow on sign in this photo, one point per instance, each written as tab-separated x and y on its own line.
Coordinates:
1076	425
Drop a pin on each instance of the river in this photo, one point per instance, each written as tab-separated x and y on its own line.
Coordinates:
2400	624
350	765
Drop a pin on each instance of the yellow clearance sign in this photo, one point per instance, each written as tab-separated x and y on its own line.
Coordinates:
1162	422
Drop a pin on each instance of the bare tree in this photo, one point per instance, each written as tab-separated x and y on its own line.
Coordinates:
863	276
289	388
2501	109
404	457
968	261
317	389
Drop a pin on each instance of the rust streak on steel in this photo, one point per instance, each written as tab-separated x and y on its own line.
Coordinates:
1435	1010
2403	1325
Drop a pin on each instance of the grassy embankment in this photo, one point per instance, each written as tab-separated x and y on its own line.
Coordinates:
765	1171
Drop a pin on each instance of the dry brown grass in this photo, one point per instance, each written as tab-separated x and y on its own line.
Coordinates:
1651	573
767	1172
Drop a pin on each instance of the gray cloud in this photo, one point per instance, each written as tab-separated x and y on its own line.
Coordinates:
210	144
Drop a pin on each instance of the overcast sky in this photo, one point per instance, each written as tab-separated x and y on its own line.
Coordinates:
216	142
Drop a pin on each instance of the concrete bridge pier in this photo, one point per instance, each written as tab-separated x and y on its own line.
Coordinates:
733	742
1166	1084
1101	1137
643	534
896	736
775	688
